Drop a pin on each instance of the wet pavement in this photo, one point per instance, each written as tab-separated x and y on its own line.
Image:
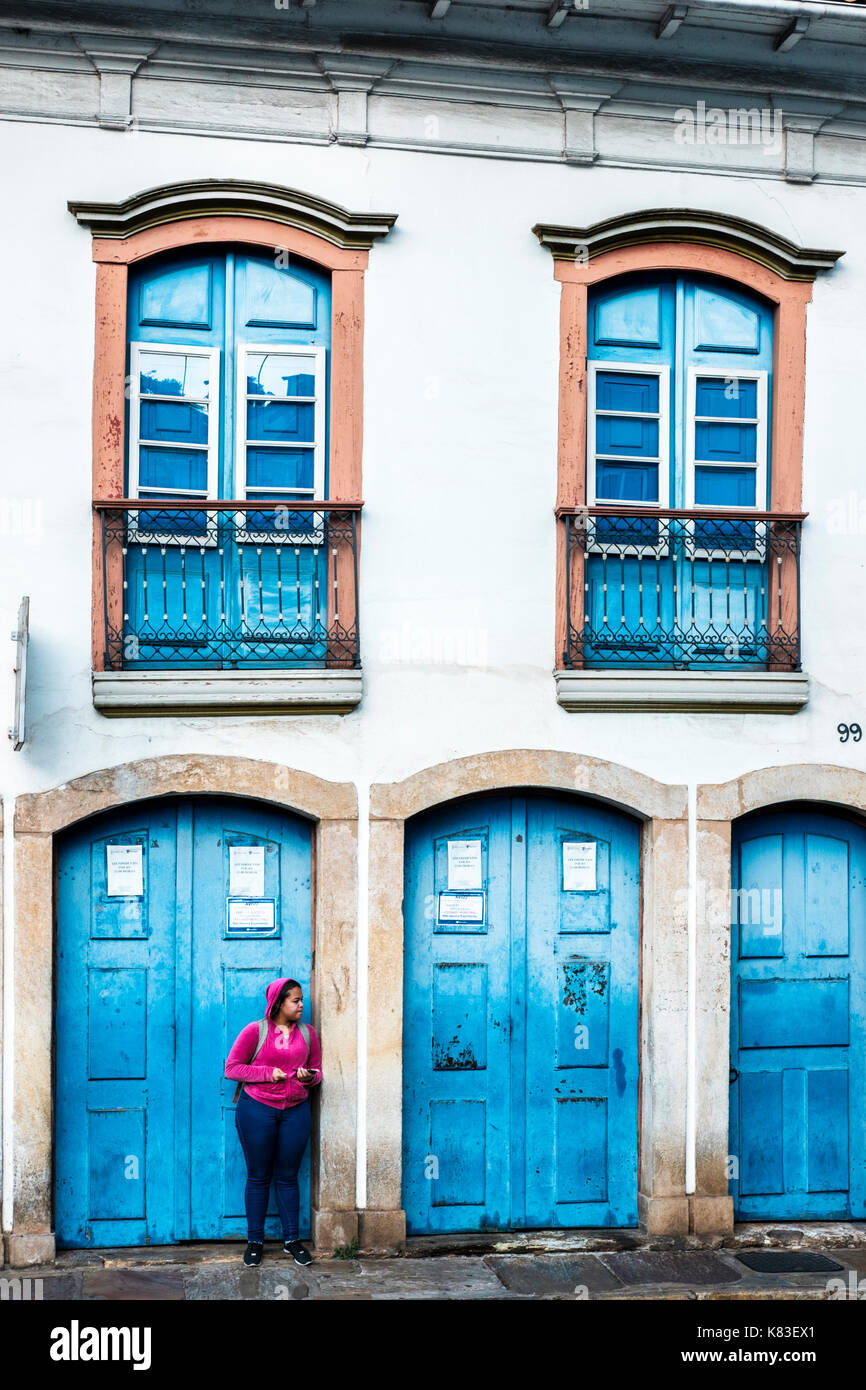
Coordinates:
539	1266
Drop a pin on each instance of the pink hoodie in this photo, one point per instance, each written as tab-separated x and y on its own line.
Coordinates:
287	1053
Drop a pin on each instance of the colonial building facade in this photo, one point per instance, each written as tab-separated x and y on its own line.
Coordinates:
430	448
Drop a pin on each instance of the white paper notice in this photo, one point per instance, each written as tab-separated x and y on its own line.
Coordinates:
464	865
246	871
252	917
578	866
461	907
124	871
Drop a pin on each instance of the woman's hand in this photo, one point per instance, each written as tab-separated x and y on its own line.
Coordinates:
279	1075
304	1074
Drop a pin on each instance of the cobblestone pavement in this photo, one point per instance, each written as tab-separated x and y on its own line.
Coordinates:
581	1266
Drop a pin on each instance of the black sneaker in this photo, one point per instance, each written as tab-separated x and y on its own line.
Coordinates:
297	1251
253	1253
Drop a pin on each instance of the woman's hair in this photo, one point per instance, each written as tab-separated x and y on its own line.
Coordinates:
278	1002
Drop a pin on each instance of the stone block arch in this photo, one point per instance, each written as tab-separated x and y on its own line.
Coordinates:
622	787
663	1203
844	787
332	807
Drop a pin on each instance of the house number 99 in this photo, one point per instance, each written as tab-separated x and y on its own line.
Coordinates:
846	731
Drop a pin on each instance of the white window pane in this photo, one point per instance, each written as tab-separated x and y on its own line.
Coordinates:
174	374
280	374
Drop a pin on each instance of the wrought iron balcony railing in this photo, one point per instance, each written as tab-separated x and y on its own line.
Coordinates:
228	584
681	589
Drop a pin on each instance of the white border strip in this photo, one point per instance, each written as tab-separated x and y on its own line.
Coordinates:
691	1009
363	971
8	1011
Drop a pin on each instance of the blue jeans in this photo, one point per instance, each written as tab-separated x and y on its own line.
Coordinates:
273	1142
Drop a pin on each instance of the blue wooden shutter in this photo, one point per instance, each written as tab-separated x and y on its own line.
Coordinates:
229	398
630	355
678	416
281	355
728	343
629	442
176	331
727	337
631	445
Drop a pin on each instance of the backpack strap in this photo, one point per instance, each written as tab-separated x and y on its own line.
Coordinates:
263	1033
305	1034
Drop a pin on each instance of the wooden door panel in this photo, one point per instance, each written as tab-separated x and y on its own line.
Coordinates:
798	1032
152	991
520	1033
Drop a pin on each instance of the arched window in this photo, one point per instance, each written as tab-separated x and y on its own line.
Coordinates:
678	375
681	405
228	371
228	405
228	362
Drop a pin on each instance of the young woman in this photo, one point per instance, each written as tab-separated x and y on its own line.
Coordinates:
273	1115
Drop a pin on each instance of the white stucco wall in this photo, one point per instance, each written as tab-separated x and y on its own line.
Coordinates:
461	363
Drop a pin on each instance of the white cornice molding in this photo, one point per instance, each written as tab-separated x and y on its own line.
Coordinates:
117	60
537	106
352	78
581	99
116	54
351	72
495	71
802	120
215	197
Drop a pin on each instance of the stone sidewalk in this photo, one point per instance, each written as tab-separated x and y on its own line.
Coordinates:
534	1266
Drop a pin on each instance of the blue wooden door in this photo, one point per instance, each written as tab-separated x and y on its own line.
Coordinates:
115	1021
521	1028
152	989
228	399
679	372
798	1017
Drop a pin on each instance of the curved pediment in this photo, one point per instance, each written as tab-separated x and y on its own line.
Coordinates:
716	229
237	198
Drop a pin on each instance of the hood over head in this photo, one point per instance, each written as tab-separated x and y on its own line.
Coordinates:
272	993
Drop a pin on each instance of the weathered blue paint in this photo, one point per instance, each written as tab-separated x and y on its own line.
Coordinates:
798	1017
521	1035
677	323
222	302
151	994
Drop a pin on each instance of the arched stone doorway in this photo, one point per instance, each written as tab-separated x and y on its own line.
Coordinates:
39	816
662	1200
